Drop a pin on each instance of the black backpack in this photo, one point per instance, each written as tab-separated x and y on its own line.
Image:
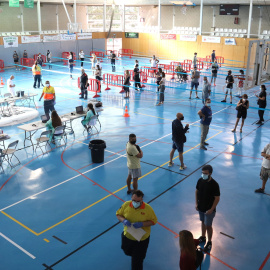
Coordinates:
199	258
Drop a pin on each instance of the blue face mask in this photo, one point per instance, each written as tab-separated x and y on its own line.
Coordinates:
136	204
205	176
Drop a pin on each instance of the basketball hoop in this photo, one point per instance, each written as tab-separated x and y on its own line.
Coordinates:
74	27
184	9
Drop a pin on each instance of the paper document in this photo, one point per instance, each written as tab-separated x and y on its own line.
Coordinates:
136	233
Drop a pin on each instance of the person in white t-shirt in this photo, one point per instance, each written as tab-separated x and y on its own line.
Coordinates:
11	85
265	170
154	61
81	56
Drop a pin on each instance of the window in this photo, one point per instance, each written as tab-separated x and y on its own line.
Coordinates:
95	18
131	18
117	18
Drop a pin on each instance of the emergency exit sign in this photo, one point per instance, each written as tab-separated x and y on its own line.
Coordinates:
131	35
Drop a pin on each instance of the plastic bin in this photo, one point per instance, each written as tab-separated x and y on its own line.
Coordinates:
97	150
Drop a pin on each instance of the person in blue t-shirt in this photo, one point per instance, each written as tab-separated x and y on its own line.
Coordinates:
206	117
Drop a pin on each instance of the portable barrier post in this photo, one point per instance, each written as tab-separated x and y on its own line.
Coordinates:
220	60
125	52
200	65
98	54
105	80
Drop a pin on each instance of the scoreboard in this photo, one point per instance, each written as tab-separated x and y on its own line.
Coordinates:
229	10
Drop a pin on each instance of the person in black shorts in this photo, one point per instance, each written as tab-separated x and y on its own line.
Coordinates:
207	197
113	57
242	106
262	103
229	86
137	78
16	60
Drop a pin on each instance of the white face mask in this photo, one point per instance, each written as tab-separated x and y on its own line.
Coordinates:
244	99
208	104
47	85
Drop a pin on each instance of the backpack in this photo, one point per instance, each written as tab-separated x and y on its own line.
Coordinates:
199	258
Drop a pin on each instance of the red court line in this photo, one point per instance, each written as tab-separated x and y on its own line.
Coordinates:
265	261
220	261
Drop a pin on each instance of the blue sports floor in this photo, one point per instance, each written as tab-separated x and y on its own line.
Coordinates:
58	209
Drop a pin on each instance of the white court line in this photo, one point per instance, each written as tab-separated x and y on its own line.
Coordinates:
16	245
29	197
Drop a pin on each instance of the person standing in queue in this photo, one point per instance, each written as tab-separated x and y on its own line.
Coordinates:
98	77
70	63
262	103
137	78
134	155
25	54
84	84
214	72
229	86
127	83
162	89
195	60
16	60
49	58
36	70
194	81
113	57
159	77
207	196
206	91
137	214
81	56
213	56
49	98
178	138
242	107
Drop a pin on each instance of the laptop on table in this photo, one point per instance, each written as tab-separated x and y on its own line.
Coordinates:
79	110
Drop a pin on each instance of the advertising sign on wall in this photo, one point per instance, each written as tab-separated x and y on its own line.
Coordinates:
84	35
14	3
29	3
30	39
188	37
168	36
230	41
210	39
51	38
68	37
10	42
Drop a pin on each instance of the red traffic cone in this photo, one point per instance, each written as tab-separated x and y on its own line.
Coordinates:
126	112
2	83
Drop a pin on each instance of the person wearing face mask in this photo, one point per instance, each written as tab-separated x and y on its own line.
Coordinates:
242	106
134	154
154	61
214	72
195	60
229	86
49	98
206	90
138	214
81	56
25	55
178	138
49	58
36	70
84	84
194	81
207	197
262	103
206	117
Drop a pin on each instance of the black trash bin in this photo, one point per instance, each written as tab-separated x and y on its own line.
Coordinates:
97	150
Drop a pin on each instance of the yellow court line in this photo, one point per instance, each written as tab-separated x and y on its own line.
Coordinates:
73	215
46	240
154	116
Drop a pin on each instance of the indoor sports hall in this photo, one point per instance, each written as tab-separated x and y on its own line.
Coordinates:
57	205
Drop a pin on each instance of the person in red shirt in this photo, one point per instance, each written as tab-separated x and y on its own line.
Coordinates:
188	250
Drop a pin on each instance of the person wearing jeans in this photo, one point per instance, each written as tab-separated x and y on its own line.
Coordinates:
84	84
49	98
162	89
206	117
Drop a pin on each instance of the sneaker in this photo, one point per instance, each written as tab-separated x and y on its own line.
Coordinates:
258	123
182	168
203	148
202	239
170	164
231	102
197	97
189	98
207	247
223	100
259	190
205	143
129	191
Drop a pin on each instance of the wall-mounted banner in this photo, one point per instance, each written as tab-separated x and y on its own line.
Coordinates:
188	37
230	41
51	38
14	3
10	42
210	39
84	35
131	35
30	39
168	36
67	37
29	3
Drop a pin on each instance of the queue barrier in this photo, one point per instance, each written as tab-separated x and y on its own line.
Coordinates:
186	67
168	69
98	54
220	60
143	77
150	72
27	62
43	58
208	61
176	64
94	86
188	61
125	52
65	55
2	65
113	80
108	52
200	64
